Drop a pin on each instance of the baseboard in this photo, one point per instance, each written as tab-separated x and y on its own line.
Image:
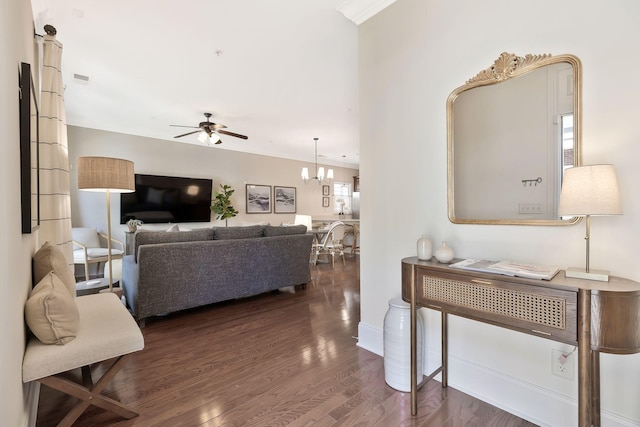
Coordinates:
528	401
31	392
370	339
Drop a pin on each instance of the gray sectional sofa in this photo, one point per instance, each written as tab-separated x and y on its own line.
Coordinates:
172	271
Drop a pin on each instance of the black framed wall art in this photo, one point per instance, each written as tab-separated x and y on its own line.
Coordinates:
284	199
29	151
258	198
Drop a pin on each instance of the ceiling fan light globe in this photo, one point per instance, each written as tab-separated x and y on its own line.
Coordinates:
203	137
215	138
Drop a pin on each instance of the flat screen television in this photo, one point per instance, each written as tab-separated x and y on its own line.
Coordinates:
164	199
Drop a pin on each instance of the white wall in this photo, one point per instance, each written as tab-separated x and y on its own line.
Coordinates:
159	157
16	45
412	55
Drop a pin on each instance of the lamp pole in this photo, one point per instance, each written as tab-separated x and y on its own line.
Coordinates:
587	238
109	260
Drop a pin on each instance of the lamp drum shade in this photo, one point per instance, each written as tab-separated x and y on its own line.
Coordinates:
105	173
590	190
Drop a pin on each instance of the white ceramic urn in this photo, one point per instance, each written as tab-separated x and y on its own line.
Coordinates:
397	345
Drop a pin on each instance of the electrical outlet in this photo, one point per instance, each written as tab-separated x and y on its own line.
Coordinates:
530	208
562	364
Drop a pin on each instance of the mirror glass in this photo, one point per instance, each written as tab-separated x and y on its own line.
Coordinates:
512	130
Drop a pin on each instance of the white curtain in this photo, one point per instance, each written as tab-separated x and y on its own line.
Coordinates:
55	201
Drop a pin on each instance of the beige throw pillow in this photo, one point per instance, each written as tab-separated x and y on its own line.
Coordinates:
50	258
51	313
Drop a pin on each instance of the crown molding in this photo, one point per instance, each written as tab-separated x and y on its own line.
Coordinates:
359	11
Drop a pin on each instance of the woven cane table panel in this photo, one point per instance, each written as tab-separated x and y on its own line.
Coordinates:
529	307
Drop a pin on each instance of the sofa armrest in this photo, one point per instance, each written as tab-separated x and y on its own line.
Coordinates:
130	279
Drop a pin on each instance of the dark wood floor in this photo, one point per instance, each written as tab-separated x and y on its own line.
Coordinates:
279	359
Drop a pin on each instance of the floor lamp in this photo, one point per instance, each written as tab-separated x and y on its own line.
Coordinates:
586	191
108	175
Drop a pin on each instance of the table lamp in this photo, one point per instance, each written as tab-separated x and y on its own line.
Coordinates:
109	175
586	191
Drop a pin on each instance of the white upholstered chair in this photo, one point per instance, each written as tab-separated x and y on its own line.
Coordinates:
107	335
90	247
303	220
68	333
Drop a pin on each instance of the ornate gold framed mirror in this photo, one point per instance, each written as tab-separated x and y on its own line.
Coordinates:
511	132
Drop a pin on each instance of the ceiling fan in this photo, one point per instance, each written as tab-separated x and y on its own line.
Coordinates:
209	131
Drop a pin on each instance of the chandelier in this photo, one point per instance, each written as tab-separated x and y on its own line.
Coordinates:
319	170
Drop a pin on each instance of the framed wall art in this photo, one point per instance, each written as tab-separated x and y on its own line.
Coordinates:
29	151
325	190
325	202
258	198
284	199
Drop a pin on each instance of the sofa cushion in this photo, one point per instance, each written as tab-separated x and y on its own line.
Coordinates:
51	313
154	237
50	258
227	233
240	223
288	230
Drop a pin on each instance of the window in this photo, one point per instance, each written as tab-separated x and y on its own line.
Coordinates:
567	153
342	198
566	138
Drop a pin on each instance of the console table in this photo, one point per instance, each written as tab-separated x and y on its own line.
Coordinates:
594	316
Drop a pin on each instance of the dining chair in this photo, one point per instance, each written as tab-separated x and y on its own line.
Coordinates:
351	241
331	243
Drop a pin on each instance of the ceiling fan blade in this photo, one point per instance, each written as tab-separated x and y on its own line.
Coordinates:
188	133
237	135
180	126
211	125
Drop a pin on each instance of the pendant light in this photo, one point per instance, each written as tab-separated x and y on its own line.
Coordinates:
319	171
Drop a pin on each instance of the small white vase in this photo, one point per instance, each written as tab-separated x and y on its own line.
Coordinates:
425	248
444	253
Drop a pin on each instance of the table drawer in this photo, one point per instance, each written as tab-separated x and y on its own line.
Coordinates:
535	310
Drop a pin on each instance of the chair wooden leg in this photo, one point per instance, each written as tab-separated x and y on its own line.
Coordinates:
90	395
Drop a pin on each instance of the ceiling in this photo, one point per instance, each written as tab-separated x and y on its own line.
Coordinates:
281	72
